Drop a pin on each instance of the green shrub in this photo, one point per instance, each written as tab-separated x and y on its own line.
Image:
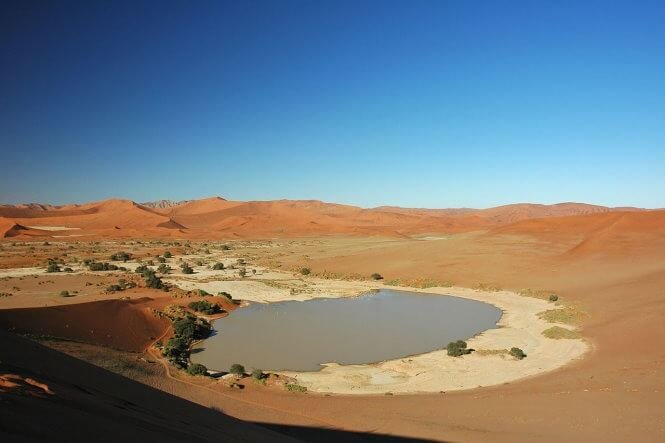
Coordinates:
68	269
197	369
457	348
152	281
167	254
225	295
257	374
205	307
186	269
553	297
102	266
305	271
218	266
517	353
114	288
237	369
161	259
376	276
164	268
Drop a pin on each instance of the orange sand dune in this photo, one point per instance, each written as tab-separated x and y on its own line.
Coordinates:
219	218
94	322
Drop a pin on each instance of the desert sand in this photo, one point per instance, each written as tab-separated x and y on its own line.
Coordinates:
605	263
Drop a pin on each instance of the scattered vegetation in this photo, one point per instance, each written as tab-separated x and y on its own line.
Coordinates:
487	287
517	353
163	268
185	331
457	348
557	333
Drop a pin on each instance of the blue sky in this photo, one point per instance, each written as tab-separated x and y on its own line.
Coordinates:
419	104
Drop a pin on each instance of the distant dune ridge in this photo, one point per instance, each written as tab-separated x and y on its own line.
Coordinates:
216	217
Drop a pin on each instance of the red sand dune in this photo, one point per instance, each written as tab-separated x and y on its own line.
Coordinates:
94	322
219	218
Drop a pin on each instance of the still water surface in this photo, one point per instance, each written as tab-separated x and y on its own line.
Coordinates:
300	336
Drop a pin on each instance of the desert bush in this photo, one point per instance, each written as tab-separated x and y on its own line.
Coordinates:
115	288
164	268
553	297
457	348
225	295
197	369
517	353
205	307
242	272
66	294
142	269
237	369
186	269
226	248
376	276
68	269
52	266
167	254
161	259
218	266
257	374
305	271
152	281
121	256
202	292
102	266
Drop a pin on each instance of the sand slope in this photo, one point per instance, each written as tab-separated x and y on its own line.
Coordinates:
216	217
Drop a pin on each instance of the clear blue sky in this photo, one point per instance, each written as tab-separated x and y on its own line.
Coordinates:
414	103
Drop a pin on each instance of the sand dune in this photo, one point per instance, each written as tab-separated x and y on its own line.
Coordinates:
216	217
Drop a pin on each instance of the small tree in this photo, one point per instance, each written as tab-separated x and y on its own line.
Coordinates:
553	297
376	276
186	269
257	374
237	369
517	353
167	254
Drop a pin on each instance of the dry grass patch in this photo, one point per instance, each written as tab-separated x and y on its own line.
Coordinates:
566	315
486	287
557	333
542	294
